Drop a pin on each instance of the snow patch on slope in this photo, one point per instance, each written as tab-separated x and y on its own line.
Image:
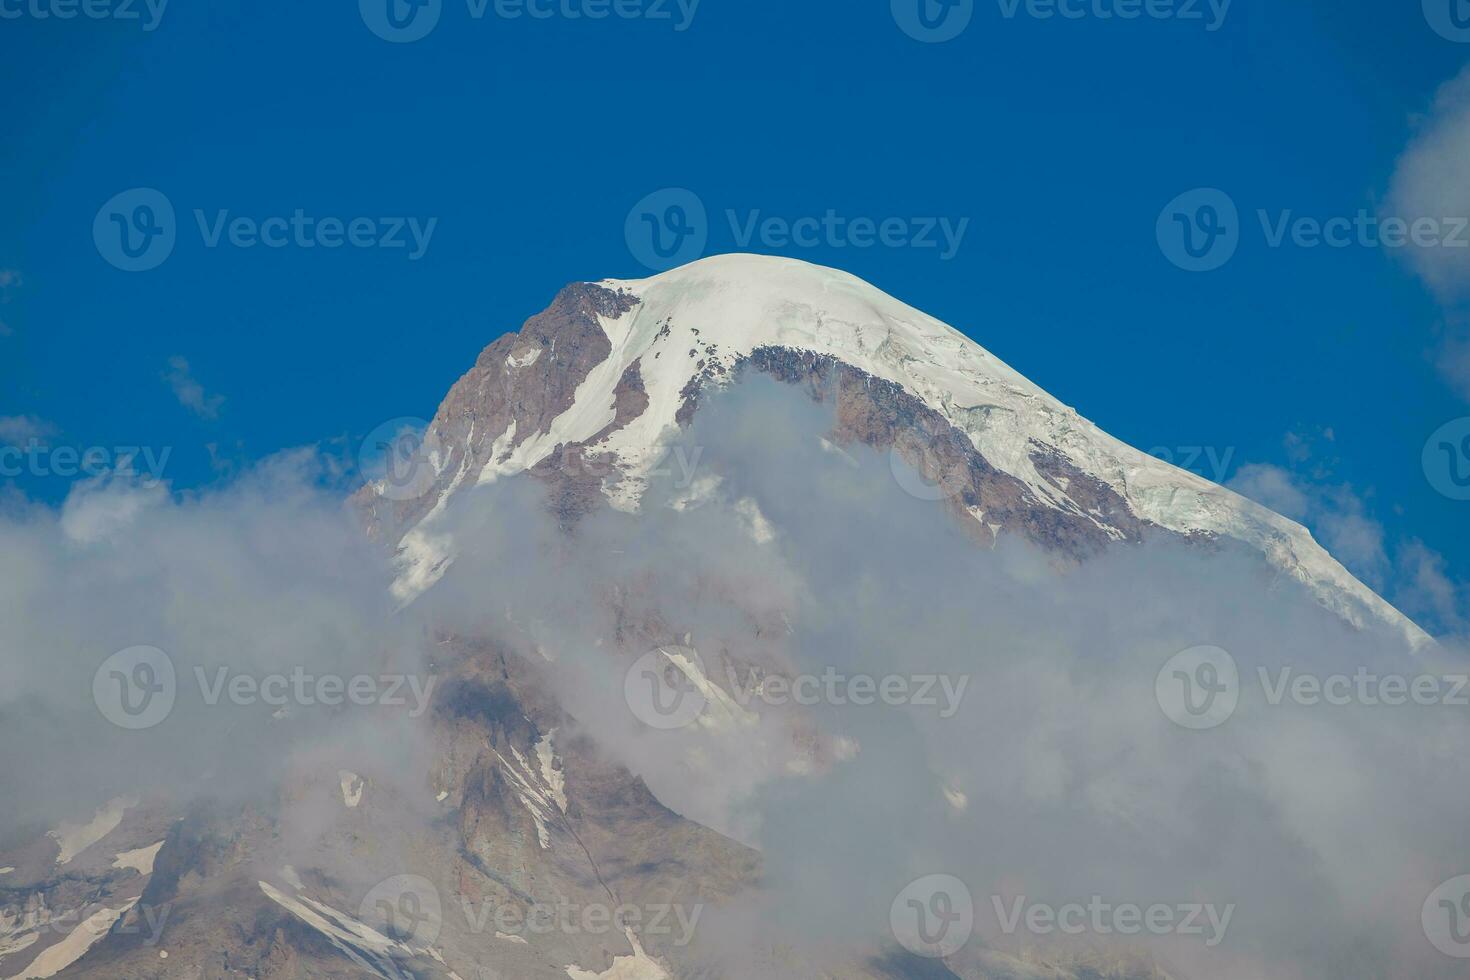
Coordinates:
140	860
53	959
639	966
73	839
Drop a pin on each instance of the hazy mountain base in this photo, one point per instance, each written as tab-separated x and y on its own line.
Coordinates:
1074	782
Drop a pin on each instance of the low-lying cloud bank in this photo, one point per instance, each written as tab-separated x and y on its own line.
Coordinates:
1302	833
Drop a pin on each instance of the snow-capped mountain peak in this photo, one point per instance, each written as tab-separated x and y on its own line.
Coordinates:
614	369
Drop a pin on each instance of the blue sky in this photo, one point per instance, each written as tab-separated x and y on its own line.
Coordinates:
1311	376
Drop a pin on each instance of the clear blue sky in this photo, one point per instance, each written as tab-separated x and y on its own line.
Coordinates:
529	140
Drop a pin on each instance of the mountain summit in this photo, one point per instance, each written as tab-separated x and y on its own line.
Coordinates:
611	370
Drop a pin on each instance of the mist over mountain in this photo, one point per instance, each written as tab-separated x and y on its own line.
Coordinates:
742	621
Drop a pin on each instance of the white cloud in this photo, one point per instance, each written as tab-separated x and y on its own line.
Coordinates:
1454	362
1273	487
1428	590
1431	181
100	510
1406	572
189	391
19	430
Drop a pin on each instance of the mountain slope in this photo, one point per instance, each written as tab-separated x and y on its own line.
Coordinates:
588	394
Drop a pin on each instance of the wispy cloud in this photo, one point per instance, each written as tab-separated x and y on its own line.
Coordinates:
19	430
1405	571
189	391
1430	181
1454	361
